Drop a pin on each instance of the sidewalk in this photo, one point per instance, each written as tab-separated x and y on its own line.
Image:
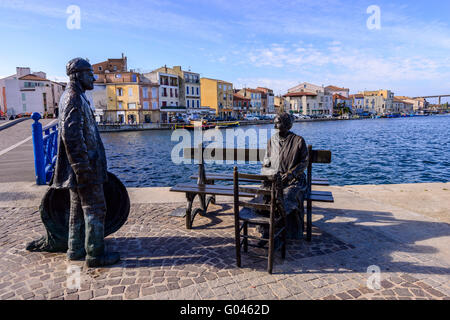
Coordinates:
367	225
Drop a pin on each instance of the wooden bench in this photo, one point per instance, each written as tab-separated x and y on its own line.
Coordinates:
207	191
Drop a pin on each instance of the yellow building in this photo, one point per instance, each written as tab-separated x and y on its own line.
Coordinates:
130	99
218	95
123	101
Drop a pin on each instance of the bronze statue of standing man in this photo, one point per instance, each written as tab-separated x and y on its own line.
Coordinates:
81	167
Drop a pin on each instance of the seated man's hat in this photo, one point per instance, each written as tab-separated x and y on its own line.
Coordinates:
77	65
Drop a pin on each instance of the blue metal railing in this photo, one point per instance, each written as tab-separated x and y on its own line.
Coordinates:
45	147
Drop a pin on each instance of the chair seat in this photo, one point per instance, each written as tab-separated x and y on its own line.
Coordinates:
251	216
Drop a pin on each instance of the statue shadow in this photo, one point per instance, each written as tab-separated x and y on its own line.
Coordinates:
364	237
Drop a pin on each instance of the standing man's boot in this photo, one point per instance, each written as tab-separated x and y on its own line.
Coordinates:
107	259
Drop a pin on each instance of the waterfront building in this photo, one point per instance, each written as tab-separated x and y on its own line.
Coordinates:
302	102
171	93
268	100
381	101
330	91
358	106
241	105
341	104
26	92
280	104
345	92
255	99
129	97
418	103
217	95
402	106
309	99
111	65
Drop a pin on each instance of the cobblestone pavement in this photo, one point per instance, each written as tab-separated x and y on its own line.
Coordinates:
163	260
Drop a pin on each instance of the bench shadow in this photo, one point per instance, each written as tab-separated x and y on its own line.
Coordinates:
214	217
377	233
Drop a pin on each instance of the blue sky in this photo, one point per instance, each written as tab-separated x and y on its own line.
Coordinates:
268	43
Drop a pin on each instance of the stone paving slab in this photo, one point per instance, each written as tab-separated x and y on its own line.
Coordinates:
163	260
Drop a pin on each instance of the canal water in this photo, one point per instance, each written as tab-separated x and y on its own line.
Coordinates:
373	151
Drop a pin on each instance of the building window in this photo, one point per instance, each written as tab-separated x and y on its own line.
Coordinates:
188	103
120	105
23	97
145	92
192	90
154	93
100	68
132	106
164	92
171	93
119	92
130	92
155	105
198	91
176	93
187	90
115	68
24	107
198	103
146	105
134	78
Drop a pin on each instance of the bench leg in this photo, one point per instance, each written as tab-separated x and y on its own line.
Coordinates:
190	199
212	198
245	238
309	220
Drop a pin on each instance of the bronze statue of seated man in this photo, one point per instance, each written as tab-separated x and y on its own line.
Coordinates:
287	155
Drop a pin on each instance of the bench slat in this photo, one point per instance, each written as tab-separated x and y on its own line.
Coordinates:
229	177
200	190
320	198
257	206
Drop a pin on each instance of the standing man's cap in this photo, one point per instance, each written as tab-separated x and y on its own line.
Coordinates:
77	65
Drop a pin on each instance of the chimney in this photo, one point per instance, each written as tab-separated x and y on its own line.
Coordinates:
20	71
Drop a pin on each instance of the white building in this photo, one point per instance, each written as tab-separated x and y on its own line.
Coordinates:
169	95
192	91
26	92
310	99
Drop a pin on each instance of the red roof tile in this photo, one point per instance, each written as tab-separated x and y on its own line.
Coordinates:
32	77
300	94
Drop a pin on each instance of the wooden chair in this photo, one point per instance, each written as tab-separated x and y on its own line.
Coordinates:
251	214
315	156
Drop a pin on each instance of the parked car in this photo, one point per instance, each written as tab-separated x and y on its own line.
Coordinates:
251	118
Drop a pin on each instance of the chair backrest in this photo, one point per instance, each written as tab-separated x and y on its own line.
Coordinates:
316	156
274	192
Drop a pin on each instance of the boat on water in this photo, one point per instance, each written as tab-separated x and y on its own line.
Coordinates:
225	125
